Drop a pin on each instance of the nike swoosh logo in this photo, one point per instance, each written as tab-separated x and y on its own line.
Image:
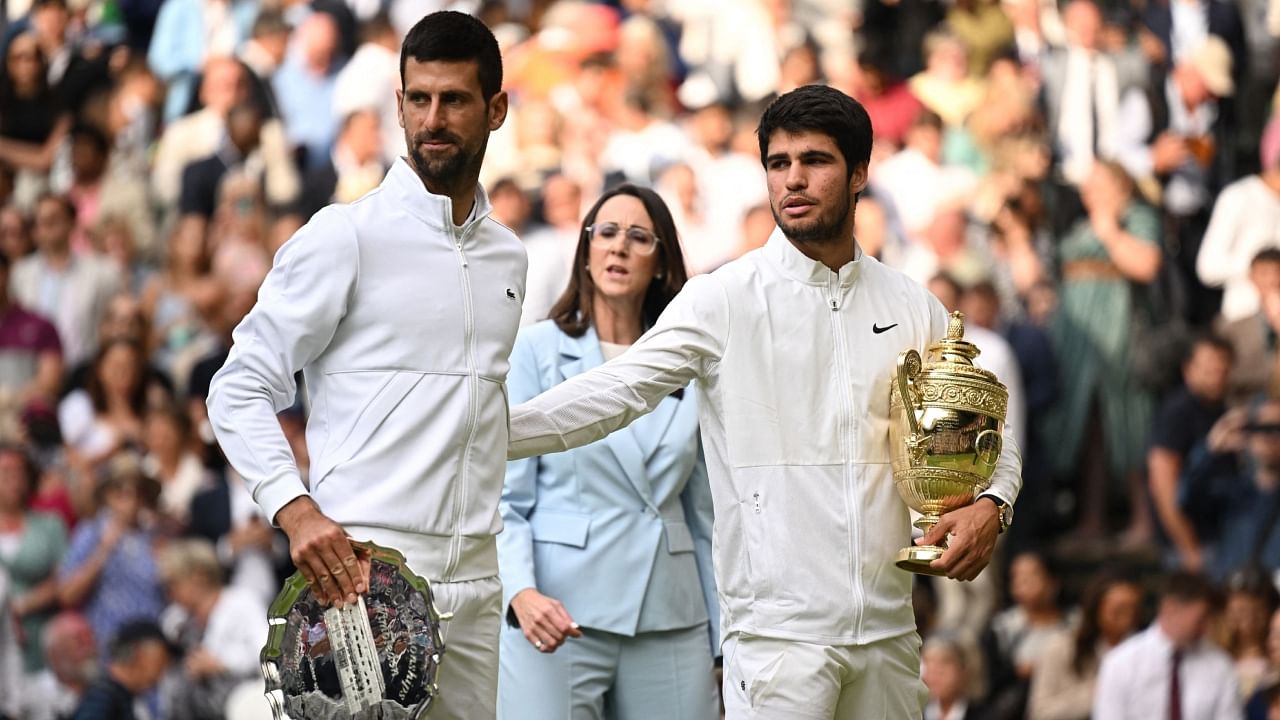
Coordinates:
877	329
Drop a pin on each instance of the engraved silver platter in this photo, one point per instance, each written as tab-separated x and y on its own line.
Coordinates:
376	660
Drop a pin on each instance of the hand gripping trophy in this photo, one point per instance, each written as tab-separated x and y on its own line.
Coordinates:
376	659
946	419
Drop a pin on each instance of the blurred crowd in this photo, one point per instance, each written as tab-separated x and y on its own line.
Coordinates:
1095	184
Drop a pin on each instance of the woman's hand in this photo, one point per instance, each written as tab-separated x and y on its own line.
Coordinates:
543	620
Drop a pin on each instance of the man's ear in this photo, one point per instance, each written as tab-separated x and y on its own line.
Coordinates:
497	110
400	105
858	180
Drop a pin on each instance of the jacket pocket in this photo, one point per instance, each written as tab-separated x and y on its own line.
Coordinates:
392	387
679	539
559	527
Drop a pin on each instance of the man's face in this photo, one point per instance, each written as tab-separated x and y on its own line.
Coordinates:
1187	621
809	191
1206	372
52	227
150	663
445	118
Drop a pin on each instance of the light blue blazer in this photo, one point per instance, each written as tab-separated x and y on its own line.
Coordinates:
618	531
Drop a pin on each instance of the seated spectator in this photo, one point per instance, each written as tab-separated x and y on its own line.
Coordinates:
172	460
15	233
914	180
109	570
1251	600
70	290
138	657
71	666
368	83
239	238
1230	490
1183	422
944	86
189	32
304	87
97	192
34	122
107	415
945	672
177	299
1171	662
353	168
1268	693
1253	336
238	151
221	629
30	358
124	320
114	238
1066	673
31	546
1017	636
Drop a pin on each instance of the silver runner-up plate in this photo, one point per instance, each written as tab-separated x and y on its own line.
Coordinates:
375	660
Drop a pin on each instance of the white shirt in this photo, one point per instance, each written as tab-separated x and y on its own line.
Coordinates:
1245	220
793	402
917	186
369	81
997	356
1133	683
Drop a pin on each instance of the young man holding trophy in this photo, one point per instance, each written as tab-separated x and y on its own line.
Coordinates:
795	347
400	309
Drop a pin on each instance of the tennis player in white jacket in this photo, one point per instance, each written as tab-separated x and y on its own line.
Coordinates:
400	309
793	347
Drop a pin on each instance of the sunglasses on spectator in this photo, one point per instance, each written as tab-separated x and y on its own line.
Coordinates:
641	240
1263	428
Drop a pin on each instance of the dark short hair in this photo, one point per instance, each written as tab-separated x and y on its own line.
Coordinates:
818	108
93	136
1211	340
132	635
270	22
29	469
1266	255
572	312
455	36
1186	587
68	207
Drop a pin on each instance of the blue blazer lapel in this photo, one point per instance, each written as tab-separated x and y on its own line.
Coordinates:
659	421
578	355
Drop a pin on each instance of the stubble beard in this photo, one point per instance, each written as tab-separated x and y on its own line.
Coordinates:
449	170
818	231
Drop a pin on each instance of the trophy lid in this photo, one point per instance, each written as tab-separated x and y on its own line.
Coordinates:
953	348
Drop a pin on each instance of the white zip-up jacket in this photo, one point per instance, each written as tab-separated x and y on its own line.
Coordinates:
793	363
402	324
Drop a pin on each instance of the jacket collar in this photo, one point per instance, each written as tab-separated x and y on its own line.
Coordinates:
435	210
801	267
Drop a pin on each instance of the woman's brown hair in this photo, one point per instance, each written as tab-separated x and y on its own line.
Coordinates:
572	312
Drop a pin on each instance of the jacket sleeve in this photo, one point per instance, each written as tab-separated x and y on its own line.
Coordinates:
1006	481
299	307
698	514
1220	260
520	489
687	340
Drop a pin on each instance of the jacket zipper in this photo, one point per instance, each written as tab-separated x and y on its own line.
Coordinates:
468	324
845	428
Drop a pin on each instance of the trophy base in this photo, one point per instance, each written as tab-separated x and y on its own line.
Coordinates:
916	559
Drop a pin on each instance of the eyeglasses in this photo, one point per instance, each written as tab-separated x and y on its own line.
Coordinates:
641	240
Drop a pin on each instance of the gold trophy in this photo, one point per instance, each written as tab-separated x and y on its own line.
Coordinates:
946	418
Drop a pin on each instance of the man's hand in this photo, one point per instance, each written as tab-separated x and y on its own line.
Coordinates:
973	530
1228	434
322	552
200	664
1168	152
543	620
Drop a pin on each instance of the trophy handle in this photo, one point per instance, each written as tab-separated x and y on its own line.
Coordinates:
909	365
988	444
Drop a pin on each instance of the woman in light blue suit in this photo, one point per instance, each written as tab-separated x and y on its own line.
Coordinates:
605	556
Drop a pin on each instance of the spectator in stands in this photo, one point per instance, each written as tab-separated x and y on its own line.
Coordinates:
30	357
263	53
1251	600
1106	415
369	80
172	460
353	168
70	290
1253	337
177	300
188	33
1018	636
944	86
238	153
1245	221
511	205
1230	490
945	669
222	630
304	87
138	657
1183	422
1065	675
34	122
15	233
31	546
109	569
199	135
1268	693
914	180
71	657
1171	663
551	246
107	415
